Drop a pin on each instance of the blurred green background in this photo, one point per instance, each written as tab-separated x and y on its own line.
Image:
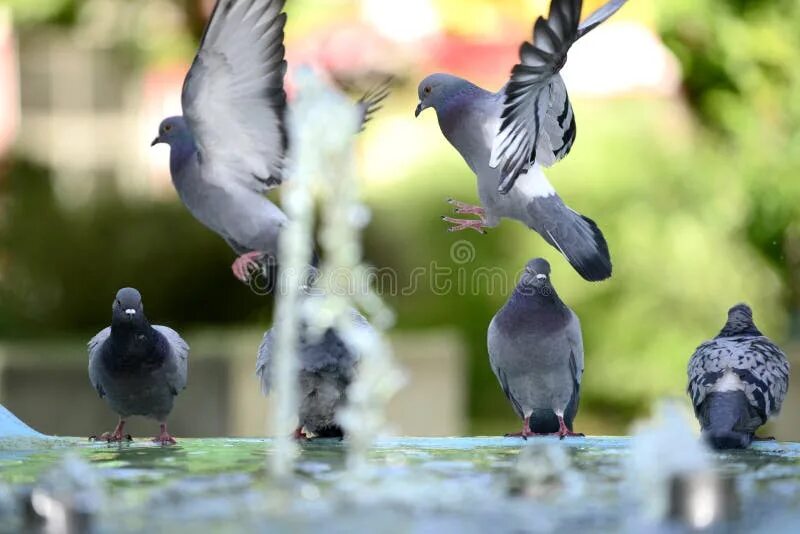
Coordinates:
687	156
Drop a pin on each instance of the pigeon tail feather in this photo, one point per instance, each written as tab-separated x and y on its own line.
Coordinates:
577	237
723	415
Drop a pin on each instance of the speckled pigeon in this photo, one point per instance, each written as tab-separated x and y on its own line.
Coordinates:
737	381
327	366
137	368
506	137
228	147
536	353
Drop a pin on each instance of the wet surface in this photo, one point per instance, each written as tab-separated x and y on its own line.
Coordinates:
413	485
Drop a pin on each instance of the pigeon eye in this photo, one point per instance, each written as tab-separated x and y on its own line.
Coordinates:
168	127
427	90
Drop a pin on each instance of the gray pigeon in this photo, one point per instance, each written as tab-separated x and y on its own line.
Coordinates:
327	366
536	353
228	147
138	368
506	137
737	381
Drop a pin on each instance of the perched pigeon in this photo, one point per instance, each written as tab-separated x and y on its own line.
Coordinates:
737	381
506	138
536	352
228	147
327	367
136	367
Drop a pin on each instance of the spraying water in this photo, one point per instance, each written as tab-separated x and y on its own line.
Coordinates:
323	165
295	254
674	474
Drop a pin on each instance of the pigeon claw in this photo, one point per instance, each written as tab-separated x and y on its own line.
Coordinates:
463	224
245	264
466	209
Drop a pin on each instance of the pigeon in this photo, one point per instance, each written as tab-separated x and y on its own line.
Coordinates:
508	136
229	146
327	367
536	353
137	368
737	381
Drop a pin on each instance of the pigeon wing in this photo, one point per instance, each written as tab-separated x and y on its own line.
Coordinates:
95	346
537	122
233	97
760	365
179	353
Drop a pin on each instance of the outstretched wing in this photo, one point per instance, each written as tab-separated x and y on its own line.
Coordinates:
372	101
538	123
233	97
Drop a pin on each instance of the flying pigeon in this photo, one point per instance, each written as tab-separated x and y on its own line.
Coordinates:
327	366
508	136
737	381
137	368
536	353
229	146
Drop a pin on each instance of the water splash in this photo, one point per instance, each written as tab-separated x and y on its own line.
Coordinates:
544	471
323	166
69	496
673	472
295	254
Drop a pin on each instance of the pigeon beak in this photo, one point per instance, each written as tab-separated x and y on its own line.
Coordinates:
156	141
419	109
130	312
541	276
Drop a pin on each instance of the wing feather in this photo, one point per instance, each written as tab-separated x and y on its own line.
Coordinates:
538	124
95	346
233	97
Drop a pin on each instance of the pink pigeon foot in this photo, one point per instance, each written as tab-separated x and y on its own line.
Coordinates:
526	430
116	435
564	432
462	224
164	438
242	265
464	208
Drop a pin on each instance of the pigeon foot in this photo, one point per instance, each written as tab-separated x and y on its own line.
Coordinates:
242	265
114	436
464	208
299	435
564	432
164	438
526	430
463	224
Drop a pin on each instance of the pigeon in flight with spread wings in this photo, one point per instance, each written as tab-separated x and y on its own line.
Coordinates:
228	147
508	136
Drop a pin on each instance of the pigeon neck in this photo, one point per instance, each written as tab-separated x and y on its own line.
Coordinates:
737	327
131	333
544	294
450	110
180	152
133	347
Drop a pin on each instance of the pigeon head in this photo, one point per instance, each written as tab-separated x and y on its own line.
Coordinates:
127	307
437	89
740	321
172	130
536	278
